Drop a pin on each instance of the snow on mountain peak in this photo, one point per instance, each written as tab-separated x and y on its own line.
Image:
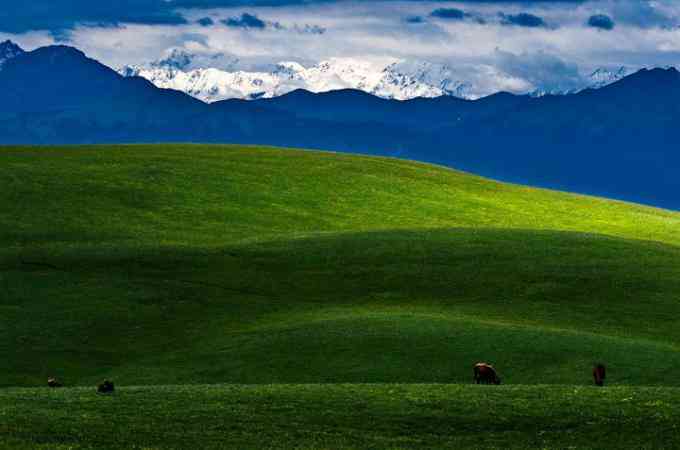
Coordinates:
387	78
390	78
602	77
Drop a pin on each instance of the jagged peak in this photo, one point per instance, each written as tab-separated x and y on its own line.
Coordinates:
9	50
177	58
10	45
387	78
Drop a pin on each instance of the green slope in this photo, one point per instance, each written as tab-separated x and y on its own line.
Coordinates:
341	417
210	264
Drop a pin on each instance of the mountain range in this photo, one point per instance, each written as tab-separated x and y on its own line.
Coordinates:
392	79
617	141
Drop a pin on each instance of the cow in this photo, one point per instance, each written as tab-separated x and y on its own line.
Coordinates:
54	383
485	374
599	374
105	387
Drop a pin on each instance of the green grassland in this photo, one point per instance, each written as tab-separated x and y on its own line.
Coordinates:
190	265
345	416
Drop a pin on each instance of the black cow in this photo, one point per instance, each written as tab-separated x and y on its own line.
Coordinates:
105	387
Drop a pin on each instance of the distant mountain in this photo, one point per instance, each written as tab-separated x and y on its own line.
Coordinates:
8	50
394	80
618	141
399	80
603	77
57	95
597	79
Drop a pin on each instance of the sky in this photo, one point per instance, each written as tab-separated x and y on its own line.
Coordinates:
499	45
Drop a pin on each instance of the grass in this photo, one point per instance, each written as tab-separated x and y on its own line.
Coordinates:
275	270
341	417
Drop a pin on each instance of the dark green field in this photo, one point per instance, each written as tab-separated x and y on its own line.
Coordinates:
345	416
183	266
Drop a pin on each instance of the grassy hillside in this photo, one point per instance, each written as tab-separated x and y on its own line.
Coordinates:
176	269
212	264
341	417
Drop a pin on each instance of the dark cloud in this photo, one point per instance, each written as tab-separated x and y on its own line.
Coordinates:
450	13
414	19
205	22
522	20
245	21
232	3
251	21
601	21
56	15
455	14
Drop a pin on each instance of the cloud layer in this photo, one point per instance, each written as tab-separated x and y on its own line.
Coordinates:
495	45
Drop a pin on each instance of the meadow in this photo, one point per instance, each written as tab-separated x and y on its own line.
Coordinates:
340	416
252	297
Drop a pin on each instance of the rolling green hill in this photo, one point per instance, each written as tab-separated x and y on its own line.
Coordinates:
186	265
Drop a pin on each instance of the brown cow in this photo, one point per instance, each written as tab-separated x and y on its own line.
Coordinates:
54	383
105	387
599	374
485	374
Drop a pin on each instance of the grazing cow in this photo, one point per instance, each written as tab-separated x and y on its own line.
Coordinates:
485	374
105	387
599	374
54	383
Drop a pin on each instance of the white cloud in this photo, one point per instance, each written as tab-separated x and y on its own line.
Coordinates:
490	55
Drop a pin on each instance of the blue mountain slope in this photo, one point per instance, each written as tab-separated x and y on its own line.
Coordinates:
618	141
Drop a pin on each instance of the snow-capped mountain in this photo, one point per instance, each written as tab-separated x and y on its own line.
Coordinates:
215	77
602	77
597	79
393	79
8	50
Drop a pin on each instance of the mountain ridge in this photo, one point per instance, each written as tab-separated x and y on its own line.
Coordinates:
612	142
395	79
